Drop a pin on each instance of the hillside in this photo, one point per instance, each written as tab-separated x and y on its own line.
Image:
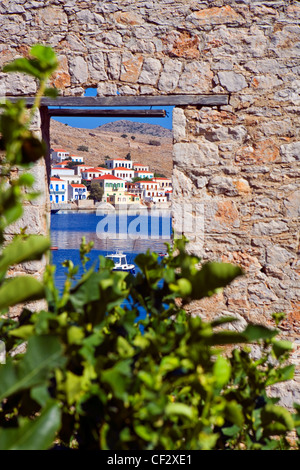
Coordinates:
109	140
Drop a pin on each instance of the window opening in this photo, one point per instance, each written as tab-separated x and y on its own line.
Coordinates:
100	145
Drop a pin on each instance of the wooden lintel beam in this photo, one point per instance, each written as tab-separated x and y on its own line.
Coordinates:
143	113
115	101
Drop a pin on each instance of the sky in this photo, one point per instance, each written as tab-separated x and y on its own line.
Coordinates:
92	122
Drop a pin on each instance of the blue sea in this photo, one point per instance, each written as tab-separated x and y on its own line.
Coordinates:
129	232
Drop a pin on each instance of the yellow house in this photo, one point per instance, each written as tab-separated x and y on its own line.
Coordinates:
112	186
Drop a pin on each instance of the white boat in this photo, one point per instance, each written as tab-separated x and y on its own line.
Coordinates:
120	261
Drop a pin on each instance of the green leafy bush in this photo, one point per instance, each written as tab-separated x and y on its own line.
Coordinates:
95	375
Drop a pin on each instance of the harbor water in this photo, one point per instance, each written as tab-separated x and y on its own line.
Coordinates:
131	233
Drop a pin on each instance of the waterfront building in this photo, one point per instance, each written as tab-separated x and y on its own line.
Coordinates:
66	174
112	186
57	190
77	192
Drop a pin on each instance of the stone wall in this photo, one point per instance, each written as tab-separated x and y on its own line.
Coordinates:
236	165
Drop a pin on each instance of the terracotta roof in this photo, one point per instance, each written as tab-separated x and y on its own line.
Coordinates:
123	168
145	181
108	177
61	169
56	179
91	169
77	185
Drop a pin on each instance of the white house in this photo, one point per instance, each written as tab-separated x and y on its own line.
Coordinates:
66	174
80	168
57	190
144	174
77	192
104	171
113	162
122	172
76	158
165	183
91	173
140	167
58	171
58	155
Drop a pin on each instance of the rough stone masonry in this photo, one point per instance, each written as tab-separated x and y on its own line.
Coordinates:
235	165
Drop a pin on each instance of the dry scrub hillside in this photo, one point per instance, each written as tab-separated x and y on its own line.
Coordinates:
107	140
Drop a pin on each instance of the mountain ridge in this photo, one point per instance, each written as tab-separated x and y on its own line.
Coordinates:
135	128
149	149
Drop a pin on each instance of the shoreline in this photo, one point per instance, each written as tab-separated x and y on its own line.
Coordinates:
109	210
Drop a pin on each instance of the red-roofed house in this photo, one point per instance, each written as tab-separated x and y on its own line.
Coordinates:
58	155
140	167
90	173
76	158
80	168
57	190
122	172
165	183
77	192
113	162
144	174
112	186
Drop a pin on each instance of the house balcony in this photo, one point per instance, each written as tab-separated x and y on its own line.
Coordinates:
53	191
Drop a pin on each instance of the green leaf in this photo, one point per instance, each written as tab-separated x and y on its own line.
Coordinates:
43	354
180	409
276	420
118	378
259	332
234	413
221	371
35	434
24	332
19	250
20	289
145	432
45	54
32	149
22	65
51	92
281	347
74	388
75	335
213	276
124	348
